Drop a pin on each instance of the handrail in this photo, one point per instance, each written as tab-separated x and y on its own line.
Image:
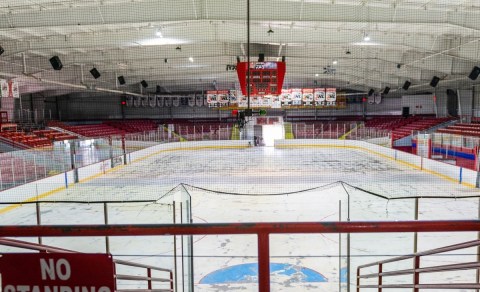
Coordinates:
263	231
417	270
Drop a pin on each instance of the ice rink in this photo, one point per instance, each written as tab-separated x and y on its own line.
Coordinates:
263	184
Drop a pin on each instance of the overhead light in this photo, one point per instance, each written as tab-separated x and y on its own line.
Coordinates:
335	62
190	59
366	38
316	75
178	49
159	34
270	30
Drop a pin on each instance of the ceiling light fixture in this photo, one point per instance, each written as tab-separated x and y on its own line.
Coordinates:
270	30
190	59
366	38
316	75
159	34
335	62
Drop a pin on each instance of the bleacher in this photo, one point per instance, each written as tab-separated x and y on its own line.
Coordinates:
402	127
54	135
30	140
464	129
320	130
133	126
204	131
94	130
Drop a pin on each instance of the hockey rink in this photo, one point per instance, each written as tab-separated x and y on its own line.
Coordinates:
262	184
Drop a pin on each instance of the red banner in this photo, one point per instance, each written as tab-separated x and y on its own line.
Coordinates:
265	77
67	272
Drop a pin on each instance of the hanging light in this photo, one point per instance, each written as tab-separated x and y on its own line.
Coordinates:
270	30
190	59
159	34
366	37
335	62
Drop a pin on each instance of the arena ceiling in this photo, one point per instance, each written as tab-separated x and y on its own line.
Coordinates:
324	42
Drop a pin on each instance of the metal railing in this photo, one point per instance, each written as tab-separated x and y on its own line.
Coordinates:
416	271
149	279
261	230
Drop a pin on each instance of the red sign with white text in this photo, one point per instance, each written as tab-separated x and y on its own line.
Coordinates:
62	272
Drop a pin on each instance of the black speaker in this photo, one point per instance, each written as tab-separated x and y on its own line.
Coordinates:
474	74
283	59
144	83
434	81
405	111
386	90
1	50
261	57
121	80
370	92
56	63
95	73
406	85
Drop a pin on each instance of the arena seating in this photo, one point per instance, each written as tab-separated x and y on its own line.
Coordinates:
134	126
30	139
402	127
204	131
94	130
320	130
54	135
464	129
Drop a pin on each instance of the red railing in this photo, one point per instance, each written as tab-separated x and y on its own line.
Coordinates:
148	278
417	270
262	230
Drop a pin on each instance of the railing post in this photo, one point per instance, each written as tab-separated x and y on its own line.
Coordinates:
263	262
149	275
171	281
380	279
416	274
358	279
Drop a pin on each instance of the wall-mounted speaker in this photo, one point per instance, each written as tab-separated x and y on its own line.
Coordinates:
261	57
386	90
144	83
370	92
56	63
474	74
95	73
121	80
1	50
406	85
434	81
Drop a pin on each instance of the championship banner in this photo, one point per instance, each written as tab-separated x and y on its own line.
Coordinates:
222	96
152	101
199	99
144	101
242	101
275	101
319	96
307	96
160	101
129	101
286	96
175	101
212	98
254	101
13	90
191	100
331	96
168	101
297	96
233	96
265	77
4	88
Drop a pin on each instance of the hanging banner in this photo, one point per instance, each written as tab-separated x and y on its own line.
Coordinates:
191	100
199	99
167	101
307	96
212	100
331	96
152	101
275	101
297	96
159	100
175	101
13	90
242	101
136	101
233	97
319	96
144	101
223	97
129	101
4	88
286	97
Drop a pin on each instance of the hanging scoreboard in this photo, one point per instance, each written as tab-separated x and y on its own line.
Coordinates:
265	77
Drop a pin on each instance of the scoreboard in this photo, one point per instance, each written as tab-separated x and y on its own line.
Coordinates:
266	78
